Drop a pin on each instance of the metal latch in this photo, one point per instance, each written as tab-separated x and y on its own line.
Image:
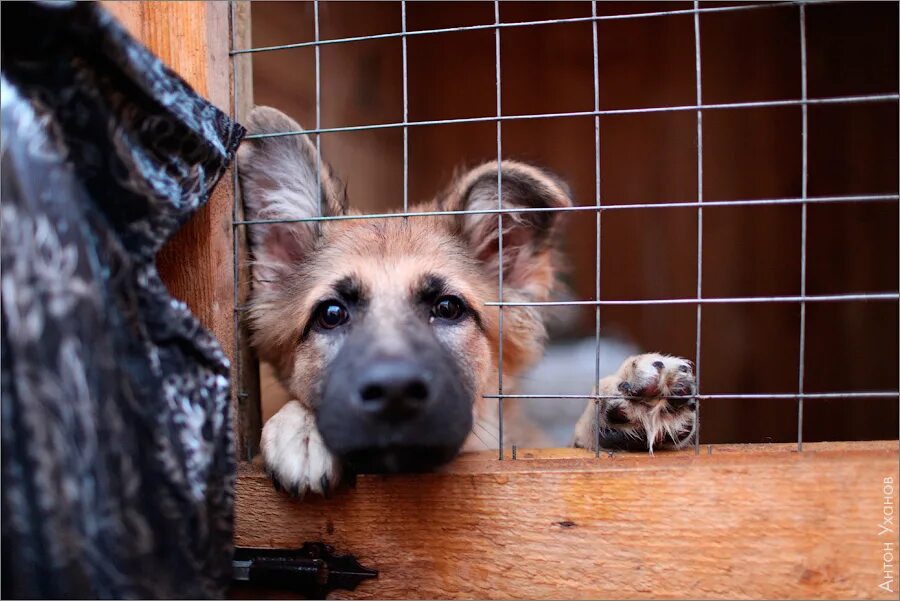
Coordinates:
313	570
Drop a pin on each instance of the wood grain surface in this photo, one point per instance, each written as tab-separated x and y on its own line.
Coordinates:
248	407
736	521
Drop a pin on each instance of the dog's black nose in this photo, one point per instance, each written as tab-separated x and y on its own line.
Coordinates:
393	390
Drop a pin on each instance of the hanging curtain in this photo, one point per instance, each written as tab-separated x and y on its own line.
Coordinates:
117	453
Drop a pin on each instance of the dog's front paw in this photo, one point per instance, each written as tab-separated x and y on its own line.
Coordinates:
646	406
295	456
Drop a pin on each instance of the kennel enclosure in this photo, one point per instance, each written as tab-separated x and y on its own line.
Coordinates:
791	519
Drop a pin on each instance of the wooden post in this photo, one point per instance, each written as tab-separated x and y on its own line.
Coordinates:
249	406
194	39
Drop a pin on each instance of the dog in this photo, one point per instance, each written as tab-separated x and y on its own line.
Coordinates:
379	328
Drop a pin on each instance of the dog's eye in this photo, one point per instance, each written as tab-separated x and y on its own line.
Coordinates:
449	308
331	314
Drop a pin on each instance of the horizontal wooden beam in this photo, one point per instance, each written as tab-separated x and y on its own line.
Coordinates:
735	521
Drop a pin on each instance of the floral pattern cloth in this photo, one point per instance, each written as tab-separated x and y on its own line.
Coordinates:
117	452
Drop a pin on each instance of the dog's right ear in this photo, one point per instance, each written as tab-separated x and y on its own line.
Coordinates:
529	238
278	181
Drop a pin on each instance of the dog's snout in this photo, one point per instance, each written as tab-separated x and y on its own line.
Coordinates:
393	389
403	410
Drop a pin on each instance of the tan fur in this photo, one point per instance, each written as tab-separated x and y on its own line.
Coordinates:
389	255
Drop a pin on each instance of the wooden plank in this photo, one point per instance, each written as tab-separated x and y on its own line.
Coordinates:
753	449
130	14
249	405
194	39
744	521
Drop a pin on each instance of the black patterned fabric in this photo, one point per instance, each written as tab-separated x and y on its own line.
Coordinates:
117	460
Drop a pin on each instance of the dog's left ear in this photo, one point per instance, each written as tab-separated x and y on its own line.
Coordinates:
528	237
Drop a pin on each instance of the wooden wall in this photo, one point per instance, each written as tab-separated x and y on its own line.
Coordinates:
651	158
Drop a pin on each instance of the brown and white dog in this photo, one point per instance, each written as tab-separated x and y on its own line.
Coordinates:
379	330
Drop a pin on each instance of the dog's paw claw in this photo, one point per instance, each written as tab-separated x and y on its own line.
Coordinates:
654	377
649	406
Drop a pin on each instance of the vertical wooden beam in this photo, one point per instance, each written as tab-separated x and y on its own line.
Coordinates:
242	92
243	63
130	14
194	39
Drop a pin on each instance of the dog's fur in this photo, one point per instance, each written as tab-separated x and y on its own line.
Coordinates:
389	274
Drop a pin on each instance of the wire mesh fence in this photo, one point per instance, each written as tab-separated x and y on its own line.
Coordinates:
600	206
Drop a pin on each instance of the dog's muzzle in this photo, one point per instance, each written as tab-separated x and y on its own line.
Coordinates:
386	413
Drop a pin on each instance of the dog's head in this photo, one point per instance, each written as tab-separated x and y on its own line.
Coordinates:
380	326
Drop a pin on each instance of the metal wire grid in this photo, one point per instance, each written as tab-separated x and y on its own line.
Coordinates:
699	220
598	208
